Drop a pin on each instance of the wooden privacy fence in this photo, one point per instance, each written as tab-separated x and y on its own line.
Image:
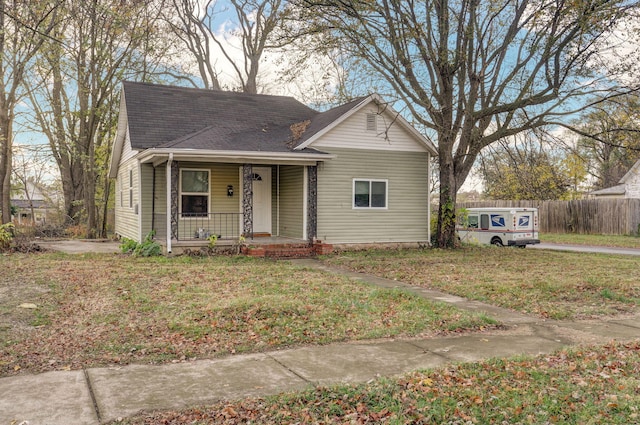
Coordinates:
586	216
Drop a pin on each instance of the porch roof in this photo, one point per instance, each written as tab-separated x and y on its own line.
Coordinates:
157	156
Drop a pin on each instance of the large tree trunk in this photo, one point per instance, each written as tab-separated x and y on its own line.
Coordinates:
446	232
90	200
5	167
72	190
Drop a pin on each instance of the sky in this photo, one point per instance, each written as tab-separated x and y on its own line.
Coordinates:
306	81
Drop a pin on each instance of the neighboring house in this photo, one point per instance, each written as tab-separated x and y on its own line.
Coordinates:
628	187
31	209
190	163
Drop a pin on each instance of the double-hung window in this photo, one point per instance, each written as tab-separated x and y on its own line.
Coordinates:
368	193
194	193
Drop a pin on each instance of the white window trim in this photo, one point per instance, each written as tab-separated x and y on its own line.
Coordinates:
131	188
386	194
180	193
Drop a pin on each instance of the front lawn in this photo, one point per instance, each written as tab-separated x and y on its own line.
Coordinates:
111	309
584	385
595	240
550	284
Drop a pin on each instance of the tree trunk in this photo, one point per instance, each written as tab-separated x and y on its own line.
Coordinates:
446	232
105	207
90	200
5	166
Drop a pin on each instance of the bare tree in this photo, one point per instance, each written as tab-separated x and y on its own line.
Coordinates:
525	166
475	72
610	137
23	29
31	166
194	24
74	91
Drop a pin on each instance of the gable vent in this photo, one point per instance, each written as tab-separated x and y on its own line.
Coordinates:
372	122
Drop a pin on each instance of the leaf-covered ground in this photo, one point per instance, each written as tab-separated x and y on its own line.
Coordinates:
110	309
584	385
550	284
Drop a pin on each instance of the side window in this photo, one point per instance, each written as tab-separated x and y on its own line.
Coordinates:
473	221
484	221
369	194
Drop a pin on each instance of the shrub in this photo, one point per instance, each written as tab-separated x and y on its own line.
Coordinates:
6	236
148	247
128	246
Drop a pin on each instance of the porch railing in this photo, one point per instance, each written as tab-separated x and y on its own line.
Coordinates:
201	226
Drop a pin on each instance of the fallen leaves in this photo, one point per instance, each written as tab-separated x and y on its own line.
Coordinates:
544	389
104	310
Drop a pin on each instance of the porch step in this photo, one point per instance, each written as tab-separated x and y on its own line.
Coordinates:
289	251
282	251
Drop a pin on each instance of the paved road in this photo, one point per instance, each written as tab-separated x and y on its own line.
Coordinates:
587	248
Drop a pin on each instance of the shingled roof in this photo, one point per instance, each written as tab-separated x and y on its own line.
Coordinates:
186	118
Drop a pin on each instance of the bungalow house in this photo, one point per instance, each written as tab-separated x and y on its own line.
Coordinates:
628	187
190	163
31	206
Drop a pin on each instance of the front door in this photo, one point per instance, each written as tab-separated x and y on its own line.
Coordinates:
261	200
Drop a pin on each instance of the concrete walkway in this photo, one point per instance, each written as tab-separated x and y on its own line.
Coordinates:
99	395
82	246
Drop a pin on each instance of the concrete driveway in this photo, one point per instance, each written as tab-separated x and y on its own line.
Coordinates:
82	246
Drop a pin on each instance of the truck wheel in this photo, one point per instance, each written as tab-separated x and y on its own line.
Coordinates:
496	241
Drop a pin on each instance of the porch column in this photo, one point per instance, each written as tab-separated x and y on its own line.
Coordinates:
175	178
312	202
247	200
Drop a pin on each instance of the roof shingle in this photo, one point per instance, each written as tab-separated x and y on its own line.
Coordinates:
179	117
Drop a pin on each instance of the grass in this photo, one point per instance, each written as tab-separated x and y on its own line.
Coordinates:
108	309
584	385
550	284
597	240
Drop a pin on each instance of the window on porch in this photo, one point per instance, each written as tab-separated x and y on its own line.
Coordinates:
194	193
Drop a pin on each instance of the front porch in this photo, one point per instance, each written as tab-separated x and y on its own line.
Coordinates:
255	208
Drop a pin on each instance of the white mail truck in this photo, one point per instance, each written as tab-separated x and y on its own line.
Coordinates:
499	226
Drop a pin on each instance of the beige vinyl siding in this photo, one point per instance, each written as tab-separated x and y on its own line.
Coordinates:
127	152
274	200
404	219
147	194
160	205
291	201
353	134
126	219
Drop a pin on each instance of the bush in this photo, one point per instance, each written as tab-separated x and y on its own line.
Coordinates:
6	236
148	247
128	246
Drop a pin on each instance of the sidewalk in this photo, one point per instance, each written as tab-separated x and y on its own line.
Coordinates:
100	395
